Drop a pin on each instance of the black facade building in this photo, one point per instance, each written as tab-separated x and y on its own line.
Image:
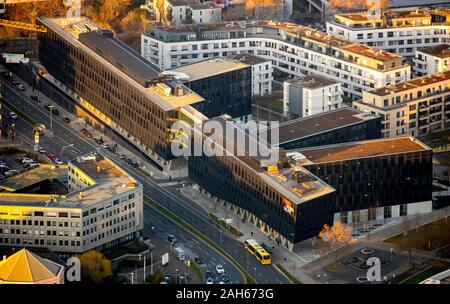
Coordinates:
225	84
331	127
114	83
374	174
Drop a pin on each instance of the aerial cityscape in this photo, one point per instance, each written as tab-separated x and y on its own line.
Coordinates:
202	142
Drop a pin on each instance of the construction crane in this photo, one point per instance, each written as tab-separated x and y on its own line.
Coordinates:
23	26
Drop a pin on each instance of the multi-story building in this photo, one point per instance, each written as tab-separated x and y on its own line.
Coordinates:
291	196
375	179
401	32
189	11
310	95
333	127
293	49
432	60
224	83
104	207
114	83
416	107
262	71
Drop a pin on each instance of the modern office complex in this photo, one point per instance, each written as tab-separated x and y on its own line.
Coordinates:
310	95
103	208
416	107
114	83
401	32
375	179
293	49
432	60
292	196
224	83
261	73
332	127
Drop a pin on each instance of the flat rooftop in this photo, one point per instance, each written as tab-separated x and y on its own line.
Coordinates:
441	51
249	59
121	60
109	180
121	55
312	81
210	67
307	126
362	149
413	84
194	4
32	176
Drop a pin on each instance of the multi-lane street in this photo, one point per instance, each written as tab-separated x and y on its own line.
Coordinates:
170	198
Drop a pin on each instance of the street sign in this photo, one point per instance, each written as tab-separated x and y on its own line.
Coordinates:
36	137
165	259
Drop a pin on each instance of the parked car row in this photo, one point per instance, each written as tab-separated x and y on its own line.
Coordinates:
175	279
27	162
51	157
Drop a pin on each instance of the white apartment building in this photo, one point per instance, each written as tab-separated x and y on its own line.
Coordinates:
417	107
400	32
262	70
310	95
293	49
104	207
432	60
190	11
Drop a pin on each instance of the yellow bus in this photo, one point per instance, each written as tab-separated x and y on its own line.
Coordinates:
256	250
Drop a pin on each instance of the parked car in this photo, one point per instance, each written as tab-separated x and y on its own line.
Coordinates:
42	151
21	156
105	146
11	172
4	168
14	82
220	269
171	238
58	161
122	156
98	141
27	160
31	165
134	164
13	115
21	87
66	120
89	135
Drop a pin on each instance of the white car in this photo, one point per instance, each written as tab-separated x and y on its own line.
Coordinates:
11	172
27	160
13	115
209	281
41	150
105	146
219	269
58	161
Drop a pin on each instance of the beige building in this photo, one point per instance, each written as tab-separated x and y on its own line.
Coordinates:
416	107
103	207
432	60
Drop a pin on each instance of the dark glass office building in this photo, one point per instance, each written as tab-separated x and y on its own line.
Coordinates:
113	82
331	127
226	85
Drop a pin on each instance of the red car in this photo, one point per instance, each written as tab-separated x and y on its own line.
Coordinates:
50	156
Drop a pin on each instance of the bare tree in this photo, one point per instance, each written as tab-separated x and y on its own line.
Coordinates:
337	236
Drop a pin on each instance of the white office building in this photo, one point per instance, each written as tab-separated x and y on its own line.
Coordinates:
310	95
432	60
262	70
400	32
293	49
103	207
190	11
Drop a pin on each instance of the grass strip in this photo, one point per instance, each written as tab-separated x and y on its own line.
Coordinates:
19	113
288	274
176	219
196	268
224	225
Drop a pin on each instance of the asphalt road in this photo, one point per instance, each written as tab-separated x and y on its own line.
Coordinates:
171	199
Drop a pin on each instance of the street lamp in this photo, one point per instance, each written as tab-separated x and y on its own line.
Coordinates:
65	147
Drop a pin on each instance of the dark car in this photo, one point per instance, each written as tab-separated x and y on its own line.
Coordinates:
98	141
225	278
209	274
171	238
15	82
66	120
199	260
35	98
182	279
134	164
55	112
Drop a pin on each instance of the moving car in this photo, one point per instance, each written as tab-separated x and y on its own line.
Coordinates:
199	260
171	238
209	281
105	146
13	115
21	87
58	161
220	269
209	274
35	98
225	278
66	120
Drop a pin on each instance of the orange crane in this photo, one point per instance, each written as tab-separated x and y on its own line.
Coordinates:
23	26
